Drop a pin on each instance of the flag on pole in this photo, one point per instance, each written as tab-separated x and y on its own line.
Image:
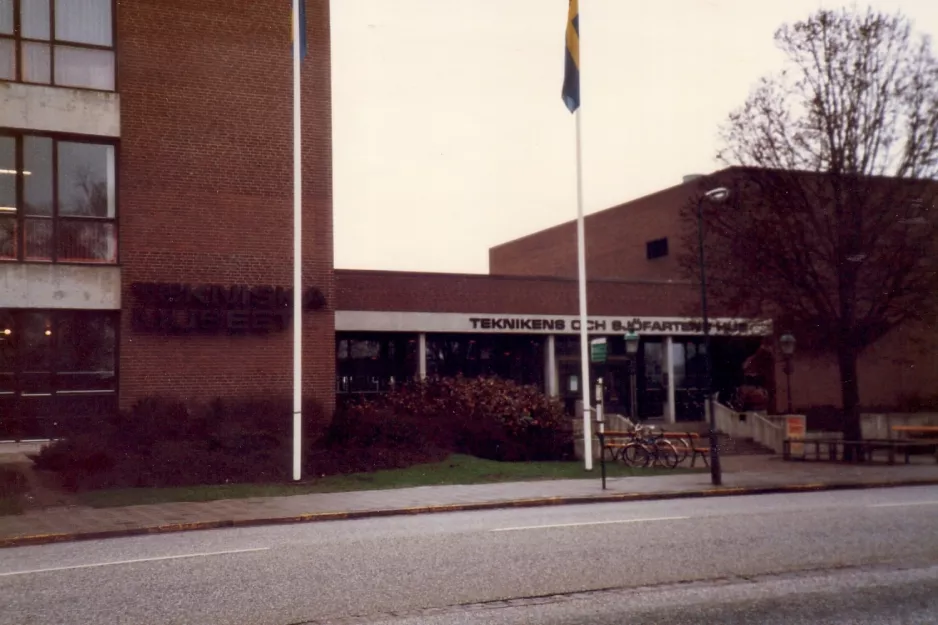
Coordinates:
302	19
571	73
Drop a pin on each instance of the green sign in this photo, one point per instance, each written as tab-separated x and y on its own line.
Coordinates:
598	350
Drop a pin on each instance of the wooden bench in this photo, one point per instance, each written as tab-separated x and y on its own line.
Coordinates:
864	449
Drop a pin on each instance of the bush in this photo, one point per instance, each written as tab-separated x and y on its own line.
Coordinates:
489	418
165	442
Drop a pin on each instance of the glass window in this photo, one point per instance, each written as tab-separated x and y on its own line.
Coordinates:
84	67
84	187
84	21
37	62
7	59
6	17
35	20
37	176
8	222
81	43
86	180
7	175
86	351
7	352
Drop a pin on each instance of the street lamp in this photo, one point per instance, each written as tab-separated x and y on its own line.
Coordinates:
631	349
718	195
787	343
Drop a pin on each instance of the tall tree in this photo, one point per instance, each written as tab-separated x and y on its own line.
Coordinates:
831	230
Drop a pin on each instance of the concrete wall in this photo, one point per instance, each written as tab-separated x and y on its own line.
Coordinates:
44	285
56	109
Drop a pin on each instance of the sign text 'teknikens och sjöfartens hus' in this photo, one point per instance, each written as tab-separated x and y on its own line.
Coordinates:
388	321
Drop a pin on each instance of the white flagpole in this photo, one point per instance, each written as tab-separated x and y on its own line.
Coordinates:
581	266
581	259
297	252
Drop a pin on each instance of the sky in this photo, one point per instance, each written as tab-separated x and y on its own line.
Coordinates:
450	135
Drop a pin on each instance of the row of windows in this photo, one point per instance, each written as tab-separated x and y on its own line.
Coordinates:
67	43
58	200
62	351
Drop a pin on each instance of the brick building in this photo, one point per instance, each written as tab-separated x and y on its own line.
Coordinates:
146	241
150	142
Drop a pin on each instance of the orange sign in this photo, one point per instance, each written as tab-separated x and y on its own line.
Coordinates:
795	429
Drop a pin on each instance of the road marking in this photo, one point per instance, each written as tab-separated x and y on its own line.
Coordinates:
903	503
542	527
158	559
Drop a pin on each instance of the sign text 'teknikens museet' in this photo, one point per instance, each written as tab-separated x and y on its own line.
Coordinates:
179	308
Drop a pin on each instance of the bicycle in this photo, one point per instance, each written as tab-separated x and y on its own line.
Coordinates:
647	447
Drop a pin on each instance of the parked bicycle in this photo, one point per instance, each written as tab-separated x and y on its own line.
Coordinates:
651	447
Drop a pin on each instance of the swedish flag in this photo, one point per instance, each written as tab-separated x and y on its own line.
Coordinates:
301	18
571	73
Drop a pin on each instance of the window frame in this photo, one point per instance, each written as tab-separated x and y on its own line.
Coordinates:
19	202
18	41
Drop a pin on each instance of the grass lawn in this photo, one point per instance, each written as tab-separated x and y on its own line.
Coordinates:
457	469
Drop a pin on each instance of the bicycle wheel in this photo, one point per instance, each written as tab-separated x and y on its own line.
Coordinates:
635	455
683	446
665	454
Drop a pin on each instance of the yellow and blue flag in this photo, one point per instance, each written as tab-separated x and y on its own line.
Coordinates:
571	72
301	9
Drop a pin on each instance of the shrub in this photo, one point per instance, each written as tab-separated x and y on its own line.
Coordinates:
486	417
165	442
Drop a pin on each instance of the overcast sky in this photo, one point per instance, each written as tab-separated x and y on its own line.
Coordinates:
451	137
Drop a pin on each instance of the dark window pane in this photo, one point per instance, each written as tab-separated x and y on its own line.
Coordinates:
7	237
38	239
86	348
87	241
86	180
7	175
7	352
657	248
33	336
37	183
35	19
365	350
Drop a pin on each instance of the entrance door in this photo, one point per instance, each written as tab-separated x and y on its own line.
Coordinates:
653	383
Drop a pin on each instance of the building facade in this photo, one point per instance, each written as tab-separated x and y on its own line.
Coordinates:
146	243
145	170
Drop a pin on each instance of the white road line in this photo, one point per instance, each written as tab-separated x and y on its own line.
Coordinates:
542	527
158	559
903	504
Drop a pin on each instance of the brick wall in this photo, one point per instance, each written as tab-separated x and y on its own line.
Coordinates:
206	185
435	292
616	239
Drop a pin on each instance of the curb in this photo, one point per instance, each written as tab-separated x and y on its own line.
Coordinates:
319	517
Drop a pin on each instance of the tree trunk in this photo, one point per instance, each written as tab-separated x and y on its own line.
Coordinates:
850	398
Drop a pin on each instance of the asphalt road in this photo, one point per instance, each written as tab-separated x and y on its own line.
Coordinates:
848	557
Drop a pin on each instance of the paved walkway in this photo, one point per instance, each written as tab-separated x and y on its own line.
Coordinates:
742	473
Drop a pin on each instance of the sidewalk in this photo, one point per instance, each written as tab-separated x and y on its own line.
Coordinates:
742	475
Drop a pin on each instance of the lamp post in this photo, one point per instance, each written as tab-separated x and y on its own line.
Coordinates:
631	349
715	196
787	343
